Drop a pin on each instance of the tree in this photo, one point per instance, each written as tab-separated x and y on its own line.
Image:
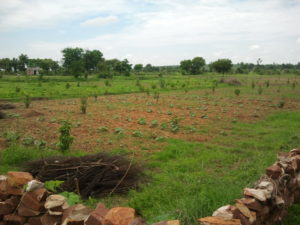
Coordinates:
91	59
222	66
197	65
72	56
23	62
138	68
186	66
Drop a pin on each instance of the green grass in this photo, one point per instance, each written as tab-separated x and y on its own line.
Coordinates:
191	180
54	87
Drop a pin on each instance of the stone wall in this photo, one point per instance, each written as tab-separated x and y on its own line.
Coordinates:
25	201
268	202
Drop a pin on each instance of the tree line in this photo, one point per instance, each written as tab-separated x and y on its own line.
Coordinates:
79	62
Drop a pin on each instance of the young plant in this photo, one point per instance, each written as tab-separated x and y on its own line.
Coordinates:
253	84
237	92
137	133
65	138
27	101
267	83
68	85
18	89
281	104
142	121
83	105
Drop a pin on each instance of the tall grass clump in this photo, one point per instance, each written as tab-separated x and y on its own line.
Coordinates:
83	105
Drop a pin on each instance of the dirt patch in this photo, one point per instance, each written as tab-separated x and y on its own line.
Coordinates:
33	113
93	175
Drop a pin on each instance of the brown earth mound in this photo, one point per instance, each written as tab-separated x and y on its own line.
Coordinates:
33	113
92	175
233	82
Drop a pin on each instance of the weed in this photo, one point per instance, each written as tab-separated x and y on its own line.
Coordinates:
267	83
237	92
11	136
137	134
53	185
281	104
68	85
175	124
83	105
119	130
154	123
253	84
103	129
18	89
27	101
28	140
142	121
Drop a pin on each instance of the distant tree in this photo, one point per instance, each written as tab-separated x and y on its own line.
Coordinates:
186	66
197	65
221	66
91	59
71	57
138	68
23	62
150	68
124	68
5	64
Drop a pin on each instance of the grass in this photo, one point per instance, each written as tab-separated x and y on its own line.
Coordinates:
188	180
191	180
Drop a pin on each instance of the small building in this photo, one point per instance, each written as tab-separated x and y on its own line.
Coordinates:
33	70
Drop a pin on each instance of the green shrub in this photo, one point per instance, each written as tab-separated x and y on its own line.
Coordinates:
18	89
137	134
103	129
237	92
142	121
65	138
119	130
154	123
68	85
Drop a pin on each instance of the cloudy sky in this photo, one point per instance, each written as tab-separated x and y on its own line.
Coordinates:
160	32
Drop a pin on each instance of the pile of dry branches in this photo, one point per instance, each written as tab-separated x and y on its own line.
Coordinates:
91	175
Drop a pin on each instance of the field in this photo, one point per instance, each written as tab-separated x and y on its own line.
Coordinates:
201	141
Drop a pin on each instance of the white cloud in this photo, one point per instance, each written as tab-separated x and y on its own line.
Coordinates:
298	40
254	47
169	30
39	13
99	21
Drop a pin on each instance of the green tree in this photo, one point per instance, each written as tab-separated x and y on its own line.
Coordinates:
91	59
72	57
138	68
186	66
23	62
222	66
197	64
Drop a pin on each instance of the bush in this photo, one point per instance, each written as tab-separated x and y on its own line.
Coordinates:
237	92
65	138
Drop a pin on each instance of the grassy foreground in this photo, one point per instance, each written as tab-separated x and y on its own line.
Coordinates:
190	180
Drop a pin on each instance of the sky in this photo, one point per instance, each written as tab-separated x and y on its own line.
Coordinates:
160	32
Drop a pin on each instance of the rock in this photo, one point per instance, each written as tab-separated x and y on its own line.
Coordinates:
37	220
218	221
56	204
35	199
169	222
33	185
295	151
97	216
9	205
6	208
3	183
119	216
224	212
246	212
47	219
259	194
138	221
296	162
18	179
27	212
76	214
251	203
14	219
274	171
14	190
4	196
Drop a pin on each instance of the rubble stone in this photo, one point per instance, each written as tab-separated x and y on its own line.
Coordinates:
119	216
